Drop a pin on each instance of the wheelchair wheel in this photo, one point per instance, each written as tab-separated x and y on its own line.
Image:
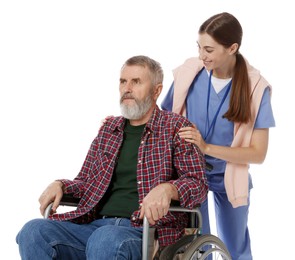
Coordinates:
174	251
207	247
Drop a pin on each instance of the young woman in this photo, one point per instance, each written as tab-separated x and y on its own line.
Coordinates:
229	103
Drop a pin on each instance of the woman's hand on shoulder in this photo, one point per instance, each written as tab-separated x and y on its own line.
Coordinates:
103	121
193	135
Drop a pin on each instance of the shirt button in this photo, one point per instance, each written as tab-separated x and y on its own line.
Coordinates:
133	218
139	161
142	142
139	182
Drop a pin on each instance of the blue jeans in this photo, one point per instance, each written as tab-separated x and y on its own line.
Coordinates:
109	238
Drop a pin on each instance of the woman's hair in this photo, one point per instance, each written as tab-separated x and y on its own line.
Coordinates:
226	30
154	67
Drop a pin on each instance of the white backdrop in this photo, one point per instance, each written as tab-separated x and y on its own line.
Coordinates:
59	71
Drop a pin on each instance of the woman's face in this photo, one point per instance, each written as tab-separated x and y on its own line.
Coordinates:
214	55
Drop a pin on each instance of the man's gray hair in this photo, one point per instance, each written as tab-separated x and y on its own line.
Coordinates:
154	67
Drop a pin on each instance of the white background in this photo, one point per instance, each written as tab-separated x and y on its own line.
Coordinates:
59	71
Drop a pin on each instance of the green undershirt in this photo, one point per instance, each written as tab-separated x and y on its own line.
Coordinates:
121	199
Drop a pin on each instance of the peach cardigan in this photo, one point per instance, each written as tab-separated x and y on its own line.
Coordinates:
236	175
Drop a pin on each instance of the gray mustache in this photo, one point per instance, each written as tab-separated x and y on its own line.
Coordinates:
126	95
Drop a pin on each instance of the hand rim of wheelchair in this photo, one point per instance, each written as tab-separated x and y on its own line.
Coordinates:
191	245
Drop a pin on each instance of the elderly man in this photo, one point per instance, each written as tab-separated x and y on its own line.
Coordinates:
136	166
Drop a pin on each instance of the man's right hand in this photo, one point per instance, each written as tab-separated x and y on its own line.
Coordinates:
53	193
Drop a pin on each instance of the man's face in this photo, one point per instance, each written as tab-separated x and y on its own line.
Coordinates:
136	95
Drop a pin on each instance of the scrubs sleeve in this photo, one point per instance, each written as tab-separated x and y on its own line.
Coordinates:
265	117
167	102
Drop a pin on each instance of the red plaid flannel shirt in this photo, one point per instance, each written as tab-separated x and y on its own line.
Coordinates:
162	157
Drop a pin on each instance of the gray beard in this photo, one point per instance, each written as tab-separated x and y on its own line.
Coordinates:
138	110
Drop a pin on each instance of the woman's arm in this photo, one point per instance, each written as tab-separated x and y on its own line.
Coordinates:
255	153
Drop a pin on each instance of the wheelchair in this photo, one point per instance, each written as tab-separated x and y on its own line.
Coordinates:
192	246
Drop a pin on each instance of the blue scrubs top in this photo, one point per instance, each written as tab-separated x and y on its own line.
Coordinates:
222	132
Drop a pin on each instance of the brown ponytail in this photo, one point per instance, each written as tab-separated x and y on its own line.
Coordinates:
240	99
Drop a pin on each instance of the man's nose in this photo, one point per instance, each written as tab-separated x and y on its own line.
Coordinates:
128	87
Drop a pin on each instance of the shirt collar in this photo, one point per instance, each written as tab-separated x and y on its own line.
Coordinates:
153	123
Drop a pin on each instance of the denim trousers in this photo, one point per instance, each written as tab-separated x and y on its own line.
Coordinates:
108	238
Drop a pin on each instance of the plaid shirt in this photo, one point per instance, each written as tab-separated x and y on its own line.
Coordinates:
162	157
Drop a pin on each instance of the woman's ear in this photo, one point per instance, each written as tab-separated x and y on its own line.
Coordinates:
233	49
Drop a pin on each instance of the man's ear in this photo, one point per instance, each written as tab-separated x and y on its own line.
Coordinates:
157	90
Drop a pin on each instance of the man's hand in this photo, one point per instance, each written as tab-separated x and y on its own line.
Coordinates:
53	193
156	204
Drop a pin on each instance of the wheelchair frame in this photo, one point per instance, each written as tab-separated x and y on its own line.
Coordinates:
194	246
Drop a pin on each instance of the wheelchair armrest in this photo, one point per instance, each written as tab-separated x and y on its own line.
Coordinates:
195	214
67	200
